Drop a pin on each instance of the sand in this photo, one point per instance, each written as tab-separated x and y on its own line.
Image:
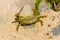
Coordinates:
8	8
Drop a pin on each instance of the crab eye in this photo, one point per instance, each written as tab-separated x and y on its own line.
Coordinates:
16	19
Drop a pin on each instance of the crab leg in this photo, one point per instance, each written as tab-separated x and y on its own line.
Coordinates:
18	26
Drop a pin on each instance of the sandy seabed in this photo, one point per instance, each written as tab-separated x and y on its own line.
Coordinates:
8	8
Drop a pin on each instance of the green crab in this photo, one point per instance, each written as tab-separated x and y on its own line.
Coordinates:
33	16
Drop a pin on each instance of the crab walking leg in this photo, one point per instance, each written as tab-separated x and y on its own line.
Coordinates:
41	22
18	26
42	16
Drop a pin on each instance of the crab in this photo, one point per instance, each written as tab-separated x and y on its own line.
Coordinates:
23	19
28	20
